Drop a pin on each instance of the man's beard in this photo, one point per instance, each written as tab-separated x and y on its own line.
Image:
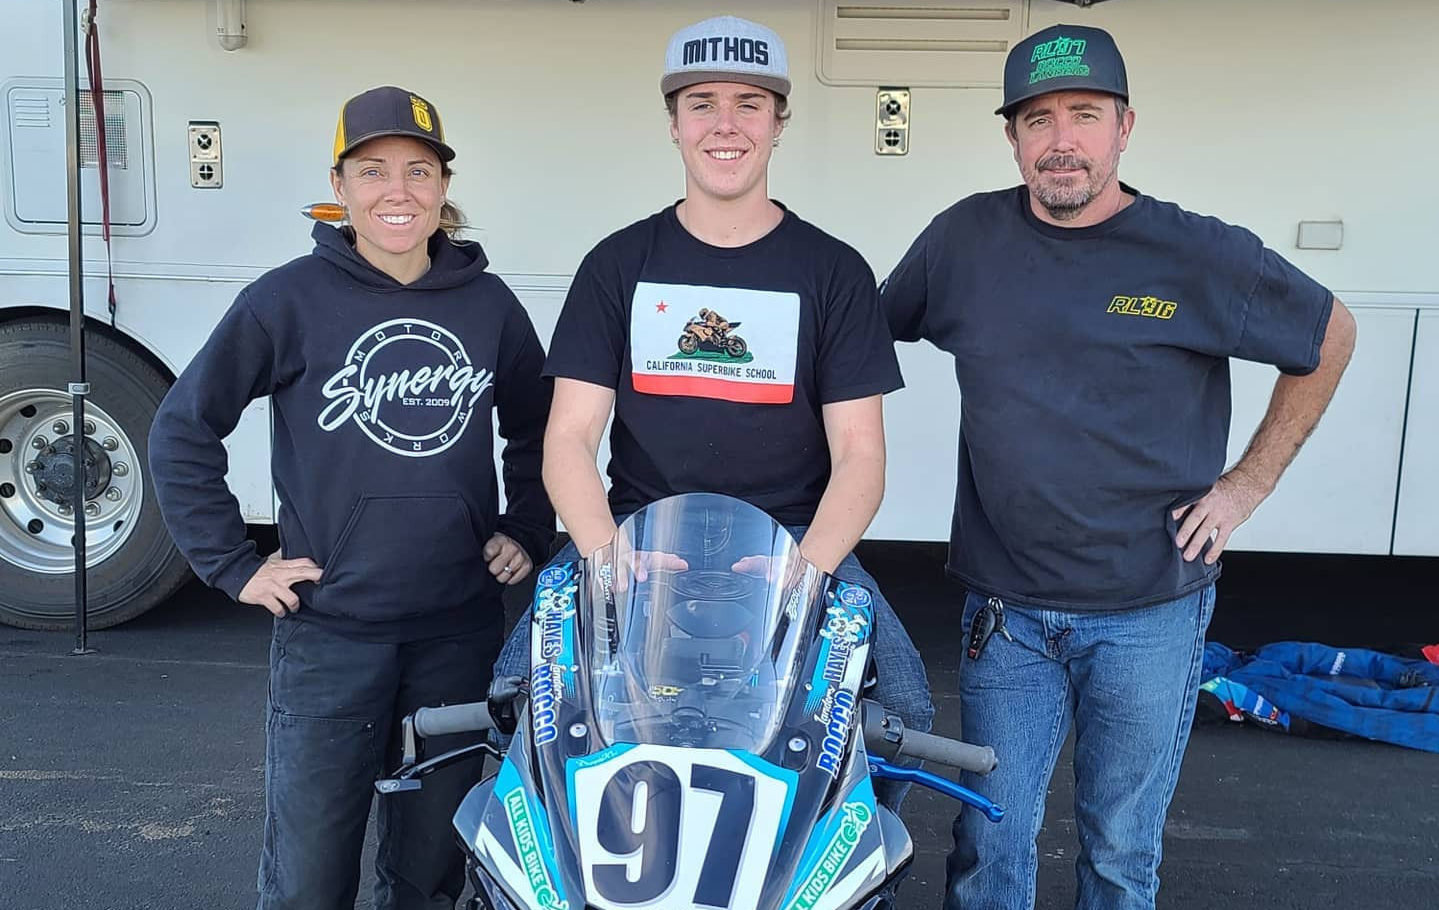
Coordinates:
1065	199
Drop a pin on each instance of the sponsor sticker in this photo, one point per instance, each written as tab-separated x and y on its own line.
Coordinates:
857	817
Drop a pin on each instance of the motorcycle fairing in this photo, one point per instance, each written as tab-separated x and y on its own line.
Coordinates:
820	841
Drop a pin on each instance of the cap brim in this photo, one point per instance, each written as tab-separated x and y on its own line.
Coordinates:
676	81
1063	84
446	153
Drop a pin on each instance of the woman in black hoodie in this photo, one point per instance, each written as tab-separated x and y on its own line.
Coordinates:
378	350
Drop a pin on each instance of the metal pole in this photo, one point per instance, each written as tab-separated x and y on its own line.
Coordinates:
79	388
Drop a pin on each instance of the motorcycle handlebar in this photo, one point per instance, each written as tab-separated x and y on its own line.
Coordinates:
466	718
951	752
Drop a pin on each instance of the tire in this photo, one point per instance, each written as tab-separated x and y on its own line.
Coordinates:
689	343
132	563
736	347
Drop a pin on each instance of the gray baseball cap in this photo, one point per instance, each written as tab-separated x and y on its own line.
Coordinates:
726	49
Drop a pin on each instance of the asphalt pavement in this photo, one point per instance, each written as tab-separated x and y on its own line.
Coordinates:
131	778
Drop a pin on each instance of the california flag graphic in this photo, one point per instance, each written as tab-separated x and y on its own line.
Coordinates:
733	344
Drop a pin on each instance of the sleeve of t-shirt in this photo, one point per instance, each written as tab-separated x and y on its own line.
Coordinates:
1284	318
856	355
589	339
904	295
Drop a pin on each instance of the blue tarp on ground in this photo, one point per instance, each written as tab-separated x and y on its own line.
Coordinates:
1366	693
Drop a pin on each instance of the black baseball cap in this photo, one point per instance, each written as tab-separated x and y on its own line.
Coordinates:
389	111
1063	58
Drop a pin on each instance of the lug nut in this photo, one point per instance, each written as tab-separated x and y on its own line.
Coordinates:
92	509
113	494
110	443
89	428
120	469
66	509
32	467
60	427
40	442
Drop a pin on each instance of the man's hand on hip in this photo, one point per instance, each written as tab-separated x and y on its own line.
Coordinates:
1225	507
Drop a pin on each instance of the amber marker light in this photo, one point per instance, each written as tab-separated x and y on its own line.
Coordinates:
324	211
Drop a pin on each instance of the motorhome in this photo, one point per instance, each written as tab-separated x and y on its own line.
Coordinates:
1304	120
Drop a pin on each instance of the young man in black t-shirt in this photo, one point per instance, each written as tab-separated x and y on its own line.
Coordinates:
1091	327
783	408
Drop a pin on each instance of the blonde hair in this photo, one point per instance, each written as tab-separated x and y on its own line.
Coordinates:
452	220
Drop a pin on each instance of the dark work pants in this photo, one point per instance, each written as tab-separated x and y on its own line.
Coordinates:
333	727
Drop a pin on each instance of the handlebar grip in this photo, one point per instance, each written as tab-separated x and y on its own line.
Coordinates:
466	718
951	752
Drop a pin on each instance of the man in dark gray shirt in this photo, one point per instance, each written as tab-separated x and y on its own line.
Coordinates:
1092	327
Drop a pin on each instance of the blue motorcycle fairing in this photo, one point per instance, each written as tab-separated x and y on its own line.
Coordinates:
690	738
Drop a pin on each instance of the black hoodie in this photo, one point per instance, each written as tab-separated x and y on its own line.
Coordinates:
382	479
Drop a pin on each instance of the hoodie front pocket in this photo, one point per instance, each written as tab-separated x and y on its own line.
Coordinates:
401	557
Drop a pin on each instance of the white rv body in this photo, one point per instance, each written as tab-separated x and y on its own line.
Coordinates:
1263	114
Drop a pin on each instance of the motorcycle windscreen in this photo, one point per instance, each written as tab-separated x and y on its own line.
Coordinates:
699	626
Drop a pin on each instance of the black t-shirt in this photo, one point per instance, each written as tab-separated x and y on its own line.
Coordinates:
1094	384
721	359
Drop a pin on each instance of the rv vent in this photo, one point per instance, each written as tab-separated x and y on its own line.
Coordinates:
936	43
30	112
116	151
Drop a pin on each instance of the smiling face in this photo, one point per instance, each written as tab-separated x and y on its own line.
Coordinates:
726	132
393	188
1067	146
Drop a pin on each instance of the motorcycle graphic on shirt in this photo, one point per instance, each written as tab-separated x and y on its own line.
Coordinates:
709	331
713	360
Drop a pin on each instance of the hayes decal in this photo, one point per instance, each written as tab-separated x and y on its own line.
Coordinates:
846	627
409	385
554	608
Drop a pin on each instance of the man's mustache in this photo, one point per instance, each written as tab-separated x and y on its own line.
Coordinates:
1062	163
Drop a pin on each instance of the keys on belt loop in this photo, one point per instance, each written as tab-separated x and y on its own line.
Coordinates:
988	620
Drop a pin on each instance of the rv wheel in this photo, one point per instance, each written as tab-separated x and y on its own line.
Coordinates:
131	561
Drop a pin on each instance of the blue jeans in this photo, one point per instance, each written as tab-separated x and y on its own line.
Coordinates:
1127	681
333	728
901	685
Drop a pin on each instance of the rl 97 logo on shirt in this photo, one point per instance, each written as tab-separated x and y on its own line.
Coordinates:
732	344
663	826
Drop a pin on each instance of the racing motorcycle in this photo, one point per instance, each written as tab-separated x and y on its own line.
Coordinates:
699	335
692	733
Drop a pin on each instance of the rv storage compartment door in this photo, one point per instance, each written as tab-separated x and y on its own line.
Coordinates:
34	143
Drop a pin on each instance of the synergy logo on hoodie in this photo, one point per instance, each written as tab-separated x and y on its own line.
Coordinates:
409	385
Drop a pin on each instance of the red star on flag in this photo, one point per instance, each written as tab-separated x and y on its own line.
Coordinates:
661	307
